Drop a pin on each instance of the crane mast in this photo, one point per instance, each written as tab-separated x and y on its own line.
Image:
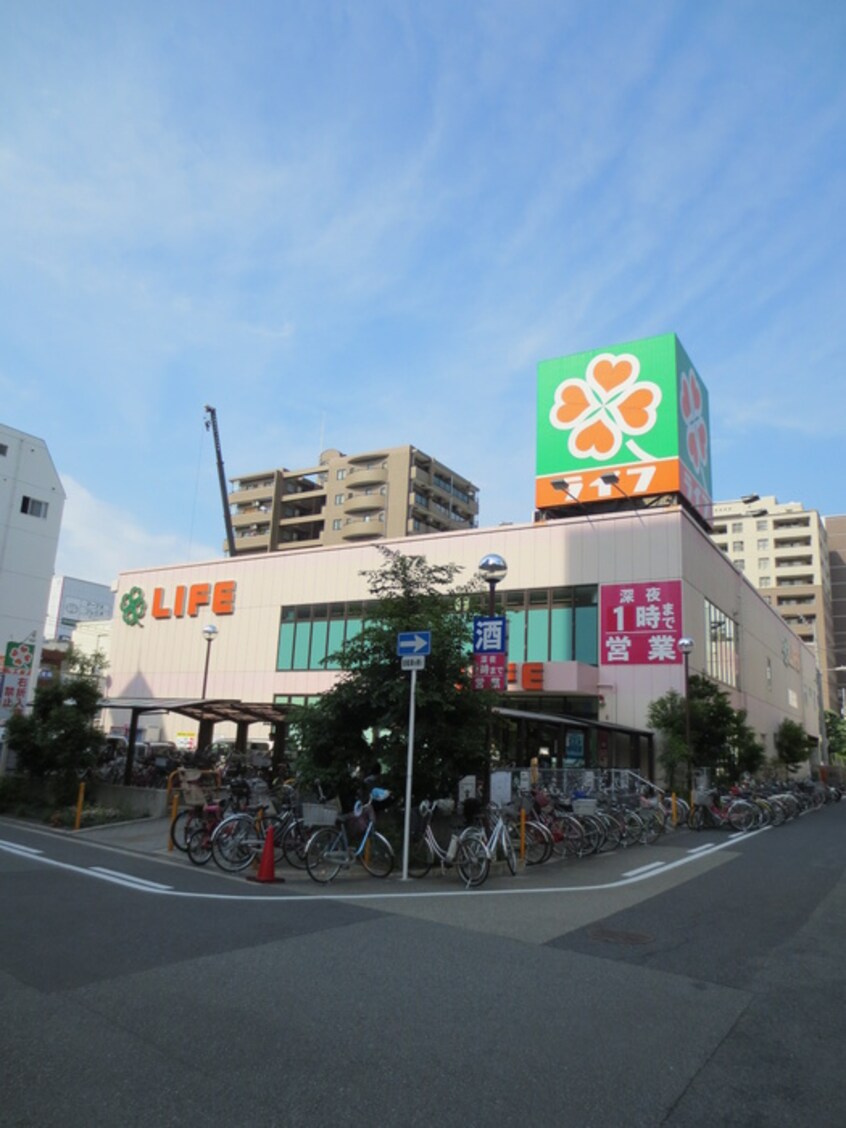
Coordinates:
211	423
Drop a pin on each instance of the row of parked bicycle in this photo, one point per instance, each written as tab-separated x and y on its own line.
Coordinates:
233	829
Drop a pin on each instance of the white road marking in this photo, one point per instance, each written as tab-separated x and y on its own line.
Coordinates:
142	886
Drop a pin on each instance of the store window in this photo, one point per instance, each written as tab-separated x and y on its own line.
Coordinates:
543	625
721	655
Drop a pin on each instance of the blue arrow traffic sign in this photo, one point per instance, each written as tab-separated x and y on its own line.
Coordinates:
414	642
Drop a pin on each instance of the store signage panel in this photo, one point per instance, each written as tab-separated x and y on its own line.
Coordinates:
638	410
184	599
640	624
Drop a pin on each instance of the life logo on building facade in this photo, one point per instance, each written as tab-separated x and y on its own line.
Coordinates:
133	607
629	421
186	599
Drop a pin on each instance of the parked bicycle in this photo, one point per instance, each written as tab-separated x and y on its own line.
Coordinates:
467	856
353	839
493	834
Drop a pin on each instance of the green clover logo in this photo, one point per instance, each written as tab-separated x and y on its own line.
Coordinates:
133	607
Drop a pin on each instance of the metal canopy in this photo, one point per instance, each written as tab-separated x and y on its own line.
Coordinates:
570	722
214	710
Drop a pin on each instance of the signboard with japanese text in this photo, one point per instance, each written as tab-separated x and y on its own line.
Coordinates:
489	634
634	412
640	624
489	671
489	644
14	691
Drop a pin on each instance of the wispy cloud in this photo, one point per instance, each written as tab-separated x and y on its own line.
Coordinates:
99	540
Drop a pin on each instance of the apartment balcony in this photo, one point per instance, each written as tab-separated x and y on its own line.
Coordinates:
363	530
252	542
364	503
252	495
360	476
252	515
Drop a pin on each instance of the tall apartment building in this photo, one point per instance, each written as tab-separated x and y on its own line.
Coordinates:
349	499
835	528
783	550
31	503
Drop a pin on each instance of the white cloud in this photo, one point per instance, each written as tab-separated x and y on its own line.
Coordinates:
99	540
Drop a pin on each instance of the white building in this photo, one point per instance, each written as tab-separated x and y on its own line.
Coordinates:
31	503
782	549
73	601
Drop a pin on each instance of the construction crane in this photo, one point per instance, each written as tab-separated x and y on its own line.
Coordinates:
211	424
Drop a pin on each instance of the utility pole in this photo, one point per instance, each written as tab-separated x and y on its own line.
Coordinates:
211	422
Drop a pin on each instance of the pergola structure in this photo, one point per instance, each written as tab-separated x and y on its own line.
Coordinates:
208	713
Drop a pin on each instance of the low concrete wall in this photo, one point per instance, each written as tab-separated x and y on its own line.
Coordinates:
135	800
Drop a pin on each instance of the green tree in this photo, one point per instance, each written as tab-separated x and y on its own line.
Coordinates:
792	745
835	731
363	719
59	737
720	738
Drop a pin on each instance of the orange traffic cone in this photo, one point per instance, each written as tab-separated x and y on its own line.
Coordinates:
266	870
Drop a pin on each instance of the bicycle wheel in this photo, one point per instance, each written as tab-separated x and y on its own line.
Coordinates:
651	826
506	845
294	841
538	843
278	824
613	830
472	862
183	826
377	857
420	858
233	844
199	846
572	836
593	834
321	854
741	815
634	828
696	818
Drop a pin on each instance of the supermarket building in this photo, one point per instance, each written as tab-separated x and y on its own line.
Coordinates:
616	568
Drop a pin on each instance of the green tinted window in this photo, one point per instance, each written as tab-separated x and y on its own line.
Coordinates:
516	627
537	636
319	632
285	657
561	642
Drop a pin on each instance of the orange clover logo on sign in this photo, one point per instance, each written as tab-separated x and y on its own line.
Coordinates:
606	405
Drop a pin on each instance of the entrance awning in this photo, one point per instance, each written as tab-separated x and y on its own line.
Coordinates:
559	719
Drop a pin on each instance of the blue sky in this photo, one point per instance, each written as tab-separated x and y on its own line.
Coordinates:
363	224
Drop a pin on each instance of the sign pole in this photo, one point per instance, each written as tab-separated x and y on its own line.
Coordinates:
409	767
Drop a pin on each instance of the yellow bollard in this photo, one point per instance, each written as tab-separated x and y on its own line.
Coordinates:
675	810
174	810
80	799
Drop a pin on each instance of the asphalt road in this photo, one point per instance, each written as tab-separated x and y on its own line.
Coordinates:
696	982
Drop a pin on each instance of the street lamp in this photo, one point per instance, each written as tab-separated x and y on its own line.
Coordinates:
493	569
209	634
685	645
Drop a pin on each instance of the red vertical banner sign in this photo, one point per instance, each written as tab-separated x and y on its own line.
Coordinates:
641	623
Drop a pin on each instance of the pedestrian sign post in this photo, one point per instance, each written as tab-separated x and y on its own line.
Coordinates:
412	648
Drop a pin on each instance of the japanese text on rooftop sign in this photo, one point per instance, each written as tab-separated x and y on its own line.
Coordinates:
641	623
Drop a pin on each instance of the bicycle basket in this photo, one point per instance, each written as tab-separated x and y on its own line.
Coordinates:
315	814
357	824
